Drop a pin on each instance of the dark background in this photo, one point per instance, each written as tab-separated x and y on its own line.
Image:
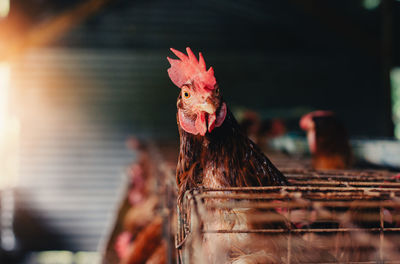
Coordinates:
281	55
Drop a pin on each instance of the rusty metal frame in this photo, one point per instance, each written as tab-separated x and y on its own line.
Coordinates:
309	189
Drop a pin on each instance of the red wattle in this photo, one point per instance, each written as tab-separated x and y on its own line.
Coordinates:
199	126
221	115
211	122
200	123
187	124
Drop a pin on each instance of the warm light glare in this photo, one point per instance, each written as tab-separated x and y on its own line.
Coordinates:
4	89
4	8
9	137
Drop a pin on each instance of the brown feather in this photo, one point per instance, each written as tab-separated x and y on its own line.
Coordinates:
228	156
145	243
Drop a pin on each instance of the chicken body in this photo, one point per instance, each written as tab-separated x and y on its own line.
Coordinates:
261	131
141	240
223	158
328	141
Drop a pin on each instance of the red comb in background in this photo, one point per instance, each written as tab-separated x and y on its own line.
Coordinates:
188	68
306	120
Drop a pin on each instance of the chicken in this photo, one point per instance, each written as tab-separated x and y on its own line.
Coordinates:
327	140
145	245
139	172
216	153
250	124
260	131
140	215
141	240
122	243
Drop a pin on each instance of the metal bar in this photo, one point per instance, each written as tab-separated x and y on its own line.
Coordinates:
315	230
289	241
297	188
381	236
314	196
337	240
298	194
307	171
371	178
355	175
304	204
363	183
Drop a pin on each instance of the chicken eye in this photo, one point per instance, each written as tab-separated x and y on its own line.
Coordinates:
186	94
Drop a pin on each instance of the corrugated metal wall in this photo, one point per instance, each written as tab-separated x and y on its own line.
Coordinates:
73	158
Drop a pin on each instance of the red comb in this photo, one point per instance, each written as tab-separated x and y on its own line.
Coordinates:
188	68
307	119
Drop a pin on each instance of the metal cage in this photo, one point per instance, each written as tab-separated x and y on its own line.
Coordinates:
353	216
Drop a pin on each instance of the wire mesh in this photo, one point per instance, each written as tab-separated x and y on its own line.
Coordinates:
323	217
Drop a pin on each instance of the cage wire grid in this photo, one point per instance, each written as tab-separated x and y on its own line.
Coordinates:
363	206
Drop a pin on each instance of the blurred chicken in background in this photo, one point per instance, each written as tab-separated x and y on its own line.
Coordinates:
139	171
328	141
141	238
261	130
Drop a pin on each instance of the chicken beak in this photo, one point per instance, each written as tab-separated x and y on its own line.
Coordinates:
206	117
207	107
